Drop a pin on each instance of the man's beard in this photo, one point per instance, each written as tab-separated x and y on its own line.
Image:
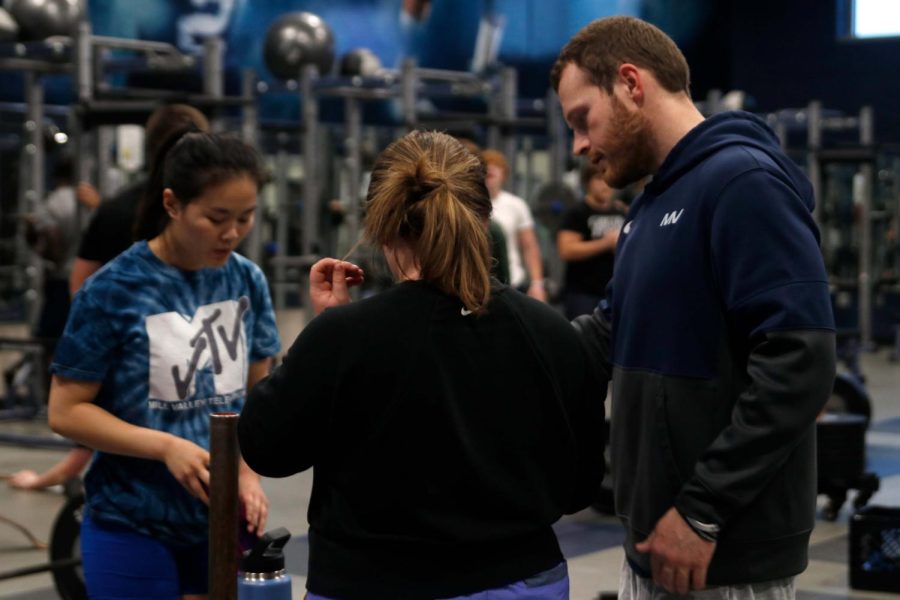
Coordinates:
629	155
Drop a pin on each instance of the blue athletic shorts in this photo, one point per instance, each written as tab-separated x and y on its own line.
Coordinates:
119	563
552	584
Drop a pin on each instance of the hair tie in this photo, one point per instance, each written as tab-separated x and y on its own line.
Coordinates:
420	189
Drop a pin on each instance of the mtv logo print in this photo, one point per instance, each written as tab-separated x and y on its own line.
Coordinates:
212	340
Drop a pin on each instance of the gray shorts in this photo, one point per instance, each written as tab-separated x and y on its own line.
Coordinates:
634	587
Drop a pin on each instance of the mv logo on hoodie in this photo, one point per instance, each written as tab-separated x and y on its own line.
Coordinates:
671	218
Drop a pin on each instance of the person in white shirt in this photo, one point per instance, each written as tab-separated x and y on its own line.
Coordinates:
526	271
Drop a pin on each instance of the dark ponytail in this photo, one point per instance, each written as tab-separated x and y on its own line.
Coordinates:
151	216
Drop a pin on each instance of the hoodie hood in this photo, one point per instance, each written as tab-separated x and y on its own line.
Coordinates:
727	129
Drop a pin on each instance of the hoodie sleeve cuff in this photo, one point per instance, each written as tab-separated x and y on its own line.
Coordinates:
693	504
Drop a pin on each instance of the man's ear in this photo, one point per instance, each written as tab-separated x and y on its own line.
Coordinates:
170	202
631	79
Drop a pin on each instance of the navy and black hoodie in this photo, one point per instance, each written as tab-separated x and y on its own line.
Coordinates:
720	335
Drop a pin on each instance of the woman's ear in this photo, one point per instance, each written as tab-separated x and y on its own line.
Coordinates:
170	203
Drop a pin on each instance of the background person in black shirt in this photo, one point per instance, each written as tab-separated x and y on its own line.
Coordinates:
586	241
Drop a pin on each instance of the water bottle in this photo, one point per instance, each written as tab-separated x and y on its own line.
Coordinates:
262	575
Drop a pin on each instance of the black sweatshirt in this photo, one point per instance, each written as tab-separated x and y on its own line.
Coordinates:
445	444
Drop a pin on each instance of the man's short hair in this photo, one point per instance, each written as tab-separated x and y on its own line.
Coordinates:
602	46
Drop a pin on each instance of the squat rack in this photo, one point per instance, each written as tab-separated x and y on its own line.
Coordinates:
406	87
856	132
98	103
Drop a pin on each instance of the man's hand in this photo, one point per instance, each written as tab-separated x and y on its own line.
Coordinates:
329	280
679	557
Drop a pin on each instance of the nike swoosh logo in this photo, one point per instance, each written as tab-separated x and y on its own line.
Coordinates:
465	312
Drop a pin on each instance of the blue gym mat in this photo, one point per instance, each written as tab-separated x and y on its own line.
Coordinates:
886	426
578	537
884	461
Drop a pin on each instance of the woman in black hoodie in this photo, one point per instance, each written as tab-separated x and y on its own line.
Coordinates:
450	420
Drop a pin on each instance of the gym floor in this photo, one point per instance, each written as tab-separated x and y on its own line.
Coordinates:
589	540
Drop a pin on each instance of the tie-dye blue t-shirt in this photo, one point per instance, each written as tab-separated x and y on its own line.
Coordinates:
169	347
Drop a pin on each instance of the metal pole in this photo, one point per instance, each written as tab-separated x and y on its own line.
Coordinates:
408	91
353	160
223	506
867	126
508	143
34	149
33	167
495	112
283	217
106	140
558	135
862	192
250	113
214	76
867	187
813	145
84	68
310	159
895	248
528	182
311	171
446	75
103	41
250	133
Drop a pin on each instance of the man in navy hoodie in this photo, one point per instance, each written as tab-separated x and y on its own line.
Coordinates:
717	329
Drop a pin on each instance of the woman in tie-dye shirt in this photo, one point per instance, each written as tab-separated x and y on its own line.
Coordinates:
176	327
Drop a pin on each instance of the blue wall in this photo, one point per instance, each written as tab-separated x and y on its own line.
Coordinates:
535	29
783	54
533	33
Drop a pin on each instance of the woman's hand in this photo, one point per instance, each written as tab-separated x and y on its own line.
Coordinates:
189	464
26	479
329	283
253	500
